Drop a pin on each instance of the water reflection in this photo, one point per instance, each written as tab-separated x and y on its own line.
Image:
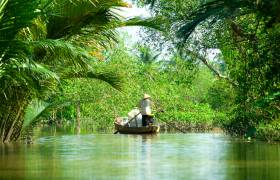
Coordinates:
163	156
253	160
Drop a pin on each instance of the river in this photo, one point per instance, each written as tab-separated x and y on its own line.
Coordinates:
162	156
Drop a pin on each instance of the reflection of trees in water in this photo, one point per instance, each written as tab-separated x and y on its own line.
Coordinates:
12	161
141	156
53	130
205	156
42	158
147	166
253	160
165	156
21	161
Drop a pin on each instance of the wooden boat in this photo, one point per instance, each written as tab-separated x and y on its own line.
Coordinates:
150	129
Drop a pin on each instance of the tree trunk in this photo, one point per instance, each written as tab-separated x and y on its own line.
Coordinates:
12	108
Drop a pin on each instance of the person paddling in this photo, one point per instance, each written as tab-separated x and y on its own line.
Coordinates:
145	106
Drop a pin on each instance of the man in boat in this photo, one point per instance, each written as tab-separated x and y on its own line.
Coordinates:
146	110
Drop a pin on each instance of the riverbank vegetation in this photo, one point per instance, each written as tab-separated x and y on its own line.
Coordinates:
212	64
178	87
44	43
247	35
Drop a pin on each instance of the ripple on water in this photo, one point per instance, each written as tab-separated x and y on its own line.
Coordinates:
163	156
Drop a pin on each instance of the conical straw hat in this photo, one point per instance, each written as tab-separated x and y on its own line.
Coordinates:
146	96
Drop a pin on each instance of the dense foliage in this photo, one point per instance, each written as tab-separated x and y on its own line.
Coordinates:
246	32
45	42
176	86
216	63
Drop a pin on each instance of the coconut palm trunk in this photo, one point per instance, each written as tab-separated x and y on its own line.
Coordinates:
12	112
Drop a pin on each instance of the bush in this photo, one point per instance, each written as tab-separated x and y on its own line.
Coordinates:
269	132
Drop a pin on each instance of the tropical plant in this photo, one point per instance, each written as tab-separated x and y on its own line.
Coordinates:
247	34
45	42
171	86
146	55
227	9
248	44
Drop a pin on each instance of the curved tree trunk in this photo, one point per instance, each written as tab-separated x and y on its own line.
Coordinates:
12	107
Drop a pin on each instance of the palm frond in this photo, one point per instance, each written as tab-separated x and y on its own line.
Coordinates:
146	55
60	54
219	9
38	108
35	32
106	36
10	49
153	22
112	78
68	18
34	110
3	4
16	15
29	75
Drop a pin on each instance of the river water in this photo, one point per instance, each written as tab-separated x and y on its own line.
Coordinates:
162	156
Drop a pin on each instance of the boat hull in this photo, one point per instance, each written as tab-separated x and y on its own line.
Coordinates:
137	130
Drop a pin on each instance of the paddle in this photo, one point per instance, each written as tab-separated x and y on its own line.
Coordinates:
172	126
128	122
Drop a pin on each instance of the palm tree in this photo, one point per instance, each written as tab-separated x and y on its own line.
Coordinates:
216	10
44	42
146	55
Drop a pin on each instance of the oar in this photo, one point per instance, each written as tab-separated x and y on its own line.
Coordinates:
174	127
171	125
128	122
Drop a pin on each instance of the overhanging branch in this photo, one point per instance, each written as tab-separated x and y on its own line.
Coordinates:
215	71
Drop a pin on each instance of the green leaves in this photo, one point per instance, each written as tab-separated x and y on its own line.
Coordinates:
60	54
42	42
66	19
216	10
16	15
37	109
147	56
34	110
153	22
110	77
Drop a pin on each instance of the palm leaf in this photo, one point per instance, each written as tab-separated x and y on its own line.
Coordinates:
16	15
68	18
60	54
3	4
34	111
219	9
38	108
28	75
154	22
112	78
146	55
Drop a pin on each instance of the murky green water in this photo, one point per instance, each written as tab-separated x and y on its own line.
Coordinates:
164	156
